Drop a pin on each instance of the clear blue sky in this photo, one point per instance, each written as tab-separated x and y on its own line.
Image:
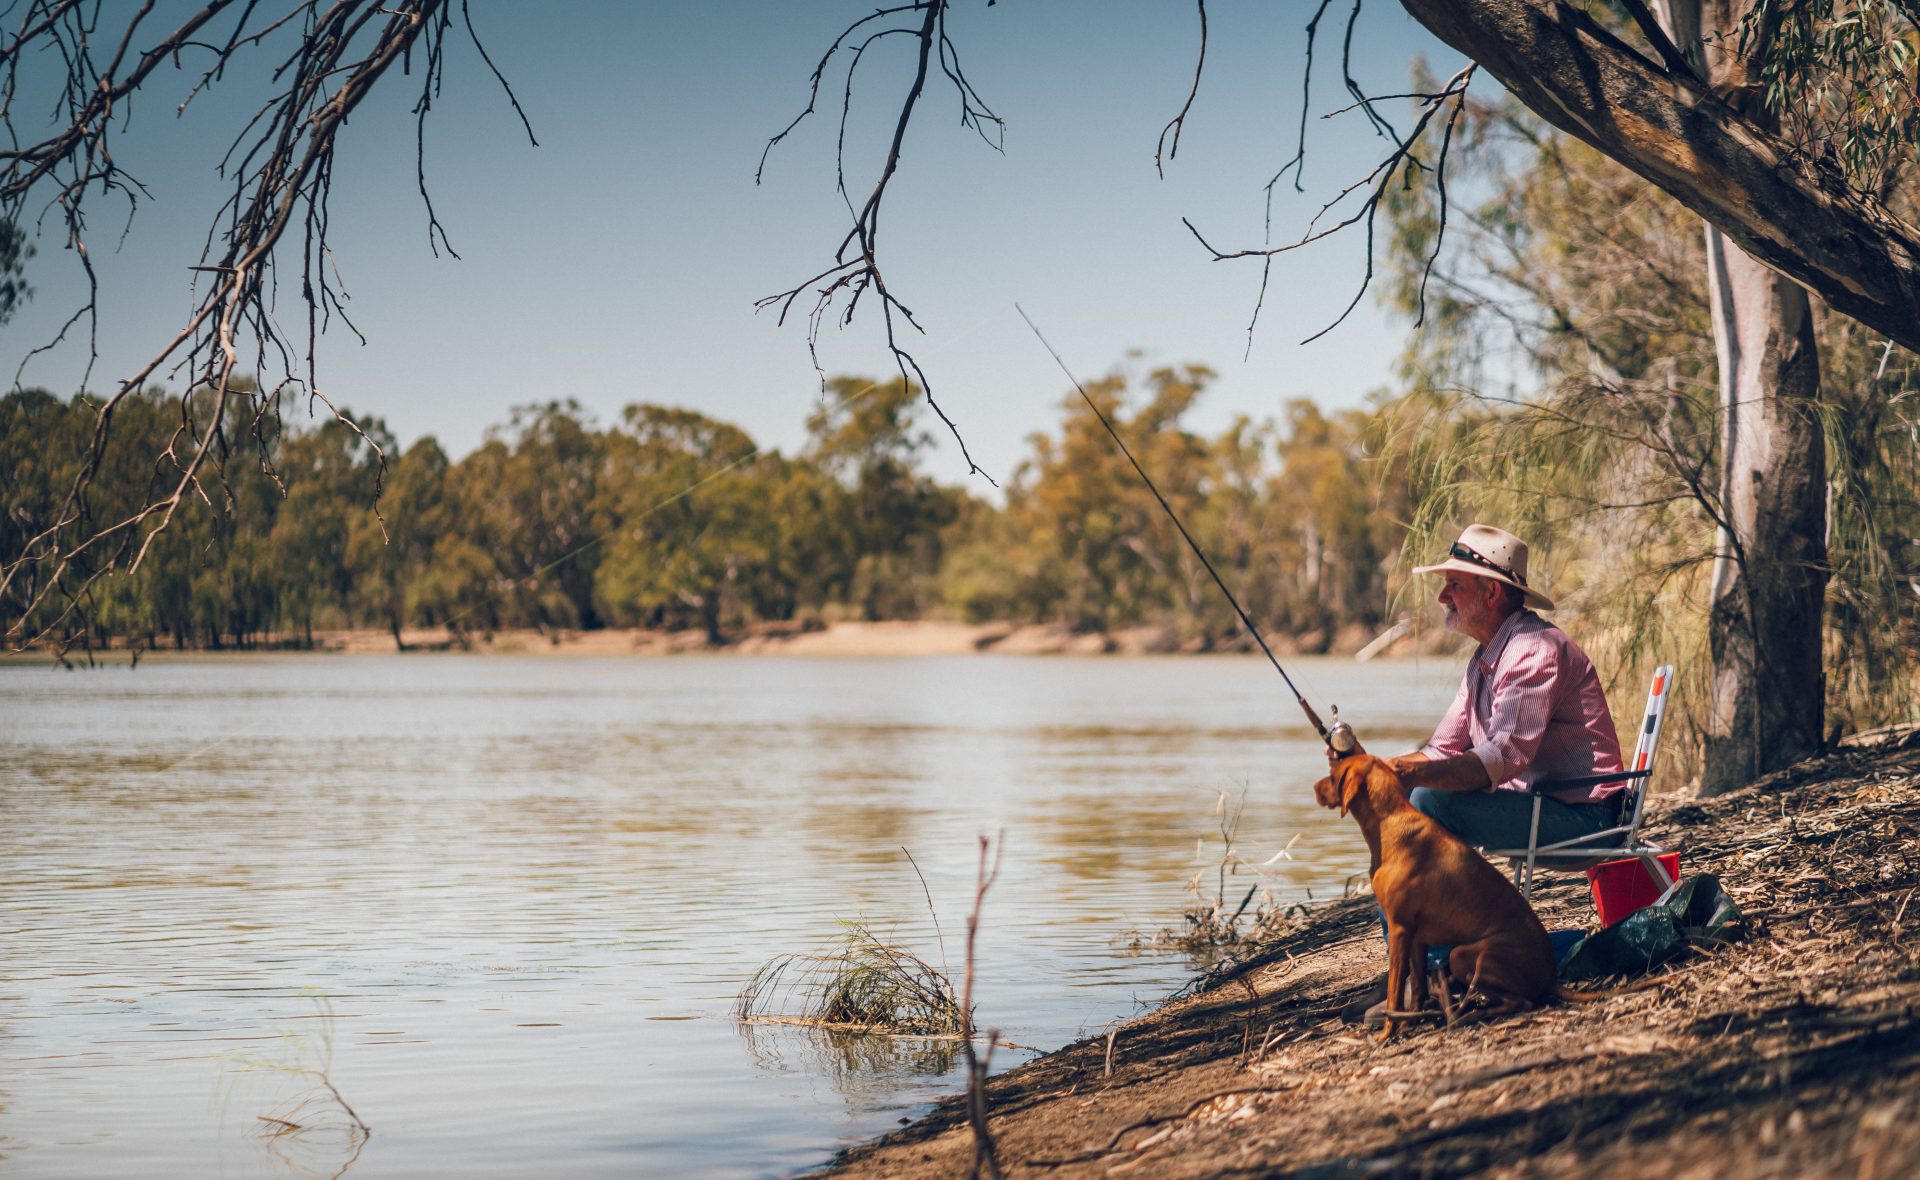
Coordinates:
619	261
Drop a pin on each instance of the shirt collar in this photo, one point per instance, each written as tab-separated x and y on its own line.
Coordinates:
1490	652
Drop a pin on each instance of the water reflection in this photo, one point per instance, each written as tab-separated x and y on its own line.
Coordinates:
311	1154
864	1069
874	824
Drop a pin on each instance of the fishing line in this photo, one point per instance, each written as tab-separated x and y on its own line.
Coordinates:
1340	729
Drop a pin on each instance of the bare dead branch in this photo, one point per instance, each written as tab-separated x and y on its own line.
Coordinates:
1440	186
479	47
1380	124
856	271
1402	157
1179	122
819	74
1297	165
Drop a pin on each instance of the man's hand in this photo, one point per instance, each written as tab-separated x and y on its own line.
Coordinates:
1334	756
1407	766
1462	772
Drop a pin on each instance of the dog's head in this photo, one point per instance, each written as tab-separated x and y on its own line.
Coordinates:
1351	778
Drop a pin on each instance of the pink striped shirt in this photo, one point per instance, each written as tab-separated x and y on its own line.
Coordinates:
1532	709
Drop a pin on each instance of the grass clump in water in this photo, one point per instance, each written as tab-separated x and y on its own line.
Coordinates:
861	985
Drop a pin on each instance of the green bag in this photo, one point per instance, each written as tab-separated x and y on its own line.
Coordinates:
1699	912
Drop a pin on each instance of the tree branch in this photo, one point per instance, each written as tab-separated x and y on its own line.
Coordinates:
1793	214
856	263
1656	35
1377	180
1179	122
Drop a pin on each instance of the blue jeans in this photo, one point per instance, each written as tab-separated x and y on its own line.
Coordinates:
1499	819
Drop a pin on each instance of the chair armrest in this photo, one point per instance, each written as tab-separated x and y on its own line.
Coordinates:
1562	784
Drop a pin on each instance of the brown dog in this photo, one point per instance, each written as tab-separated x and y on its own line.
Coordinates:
1436	891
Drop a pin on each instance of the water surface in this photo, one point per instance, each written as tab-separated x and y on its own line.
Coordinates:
509	901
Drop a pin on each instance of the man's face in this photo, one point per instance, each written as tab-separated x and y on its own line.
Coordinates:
1471	605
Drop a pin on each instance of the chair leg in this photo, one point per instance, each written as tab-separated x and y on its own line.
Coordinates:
1659	873
1533	842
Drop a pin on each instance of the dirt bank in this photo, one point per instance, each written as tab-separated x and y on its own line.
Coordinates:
1793	1053
919	637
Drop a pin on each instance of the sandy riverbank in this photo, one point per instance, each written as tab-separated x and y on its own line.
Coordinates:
1795	1052
915	638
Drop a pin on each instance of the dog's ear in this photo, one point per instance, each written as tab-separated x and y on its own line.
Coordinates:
1352	779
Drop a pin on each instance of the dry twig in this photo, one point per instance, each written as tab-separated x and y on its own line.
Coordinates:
984	1155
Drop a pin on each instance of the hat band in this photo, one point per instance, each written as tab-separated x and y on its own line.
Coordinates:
1465	554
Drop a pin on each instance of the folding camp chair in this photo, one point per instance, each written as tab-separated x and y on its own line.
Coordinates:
1615	843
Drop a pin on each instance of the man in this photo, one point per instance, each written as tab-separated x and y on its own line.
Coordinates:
1530	709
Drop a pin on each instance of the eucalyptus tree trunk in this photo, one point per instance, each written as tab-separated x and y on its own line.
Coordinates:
1770	558
1768	681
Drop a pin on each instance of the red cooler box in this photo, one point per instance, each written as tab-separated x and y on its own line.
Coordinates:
1622	886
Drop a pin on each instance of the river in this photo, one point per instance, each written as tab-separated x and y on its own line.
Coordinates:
504	904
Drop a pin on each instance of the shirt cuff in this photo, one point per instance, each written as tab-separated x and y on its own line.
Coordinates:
1489	755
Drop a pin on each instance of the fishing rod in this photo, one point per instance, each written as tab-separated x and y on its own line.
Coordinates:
1340	737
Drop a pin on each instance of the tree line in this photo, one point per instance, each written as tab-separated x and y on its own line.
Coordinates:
672	519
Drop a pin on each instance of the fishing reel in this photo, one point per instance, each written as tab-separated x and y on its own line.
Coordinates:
1340	736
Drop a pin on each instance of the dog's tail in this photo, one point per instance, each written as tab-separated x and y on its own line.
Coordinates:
1587	997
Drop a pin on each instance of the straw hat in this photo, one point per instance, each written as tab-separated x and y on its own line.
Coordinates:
1488	552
